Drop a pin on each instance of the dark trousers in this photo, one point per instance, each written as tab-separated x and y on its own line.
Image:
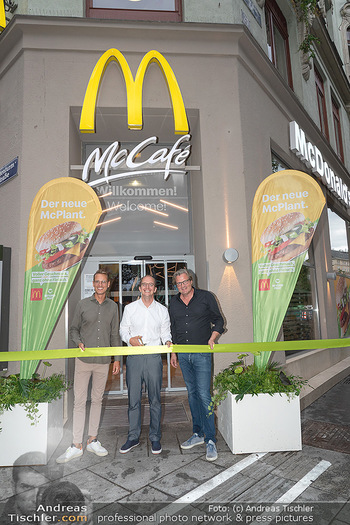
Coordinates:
146	369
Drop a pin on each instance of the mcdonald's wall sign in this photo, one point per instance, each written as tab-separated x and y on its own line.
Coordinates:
134	89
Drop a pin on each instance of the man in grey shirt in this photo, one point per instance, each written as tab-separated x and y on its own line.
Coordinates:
95	324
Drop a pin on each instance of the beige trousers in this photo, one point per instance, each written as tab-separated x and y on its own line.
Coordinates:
82	374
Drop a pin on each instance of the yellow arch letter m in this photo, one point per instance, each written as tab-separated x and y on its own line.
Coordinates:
133	91
2	15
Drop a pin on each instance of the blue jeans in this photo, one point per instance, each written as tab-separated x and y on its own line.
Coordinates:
196	371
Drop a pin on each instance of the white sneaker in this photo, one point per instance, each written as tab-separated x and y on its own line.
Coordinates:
72	452
96	447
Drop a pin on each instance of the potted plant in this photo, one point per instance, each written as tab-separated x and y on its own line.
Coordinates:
31	415
258	407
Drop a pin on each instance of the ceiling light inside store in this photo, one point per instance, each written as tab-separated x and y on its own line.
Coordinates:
105	195
112	208
174	205
166	225
106	222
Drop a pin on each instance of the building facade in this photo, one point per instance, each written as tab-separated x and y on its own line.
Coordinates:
255	104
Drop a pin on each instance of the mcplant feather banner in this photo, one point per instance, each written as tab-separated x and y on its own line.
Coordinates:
62	221
286	210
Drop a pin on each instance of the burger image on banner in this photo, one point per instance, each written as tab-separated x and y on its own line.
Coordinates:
62	246
343	307
287	237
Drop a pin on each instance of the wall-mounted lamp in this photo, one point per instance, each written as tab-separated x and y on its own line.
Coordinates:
230	255
331	276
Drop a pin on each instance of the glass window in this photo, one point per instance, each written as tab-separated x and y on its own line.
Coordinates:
148	5
161	10
321	101
301	319
125	279
277	40
337	129
339	242
277	163
340	263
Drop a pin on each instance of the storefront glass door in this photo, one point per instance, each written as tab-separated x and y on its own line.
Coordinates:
125	275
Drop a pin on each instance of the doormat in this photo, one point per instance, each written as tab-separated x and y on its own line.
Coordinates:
113	416
326	435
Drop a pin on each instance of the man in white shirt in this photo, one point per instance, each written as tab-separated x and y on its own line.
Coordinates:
144	322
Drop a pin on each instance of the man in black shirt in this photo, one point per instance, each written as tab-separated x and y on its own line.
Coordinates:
196	319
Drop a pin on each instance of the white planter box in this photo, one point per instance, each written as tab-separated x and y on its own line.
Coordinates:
19	436
261	423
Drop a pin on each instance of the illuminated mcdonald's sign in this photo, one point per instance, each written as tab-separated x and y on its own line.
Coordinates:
133	90
2	15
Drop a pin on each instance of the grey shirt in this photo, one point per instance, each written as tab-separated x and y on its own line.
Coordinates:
95	325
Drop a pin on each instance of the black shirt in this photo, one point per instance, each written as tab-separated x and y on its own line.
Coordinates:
194	323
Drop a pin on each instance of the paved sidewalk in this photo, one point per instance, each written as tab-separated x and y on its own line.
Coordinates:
310	486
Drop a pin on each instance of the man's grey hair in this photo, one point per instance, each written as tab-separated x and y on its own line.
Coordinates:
180	272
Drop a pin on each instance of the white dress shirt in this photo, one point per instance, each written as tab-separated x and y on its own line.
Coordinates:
152	323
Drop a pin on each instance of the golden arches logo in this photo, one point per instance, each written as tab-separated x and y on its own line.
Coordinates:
264	285
133	90
2	15
36	294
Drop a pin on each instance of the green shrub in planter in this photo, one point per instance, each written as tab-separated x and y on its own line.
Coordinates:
30	392
240	379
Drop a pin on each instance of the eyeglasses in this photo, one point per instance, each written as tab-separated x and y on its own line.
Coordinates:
182	283
100	282
147	285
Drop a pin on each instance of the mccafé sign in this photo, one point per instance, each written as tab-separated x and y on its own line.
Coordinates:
312	158
114	157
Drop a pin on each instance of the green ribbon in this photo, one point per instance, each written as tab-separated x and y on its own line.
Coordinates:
253	348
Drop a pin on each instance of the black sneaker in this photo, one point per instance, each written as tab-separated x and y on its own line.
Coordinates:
131	443
156	447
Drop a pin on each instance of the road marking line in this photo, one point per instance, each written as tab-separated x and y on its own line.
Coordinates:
209	485
297	489
304	483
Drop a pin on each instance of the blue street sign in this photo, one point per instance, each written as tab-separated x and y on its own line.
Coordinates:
9	171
